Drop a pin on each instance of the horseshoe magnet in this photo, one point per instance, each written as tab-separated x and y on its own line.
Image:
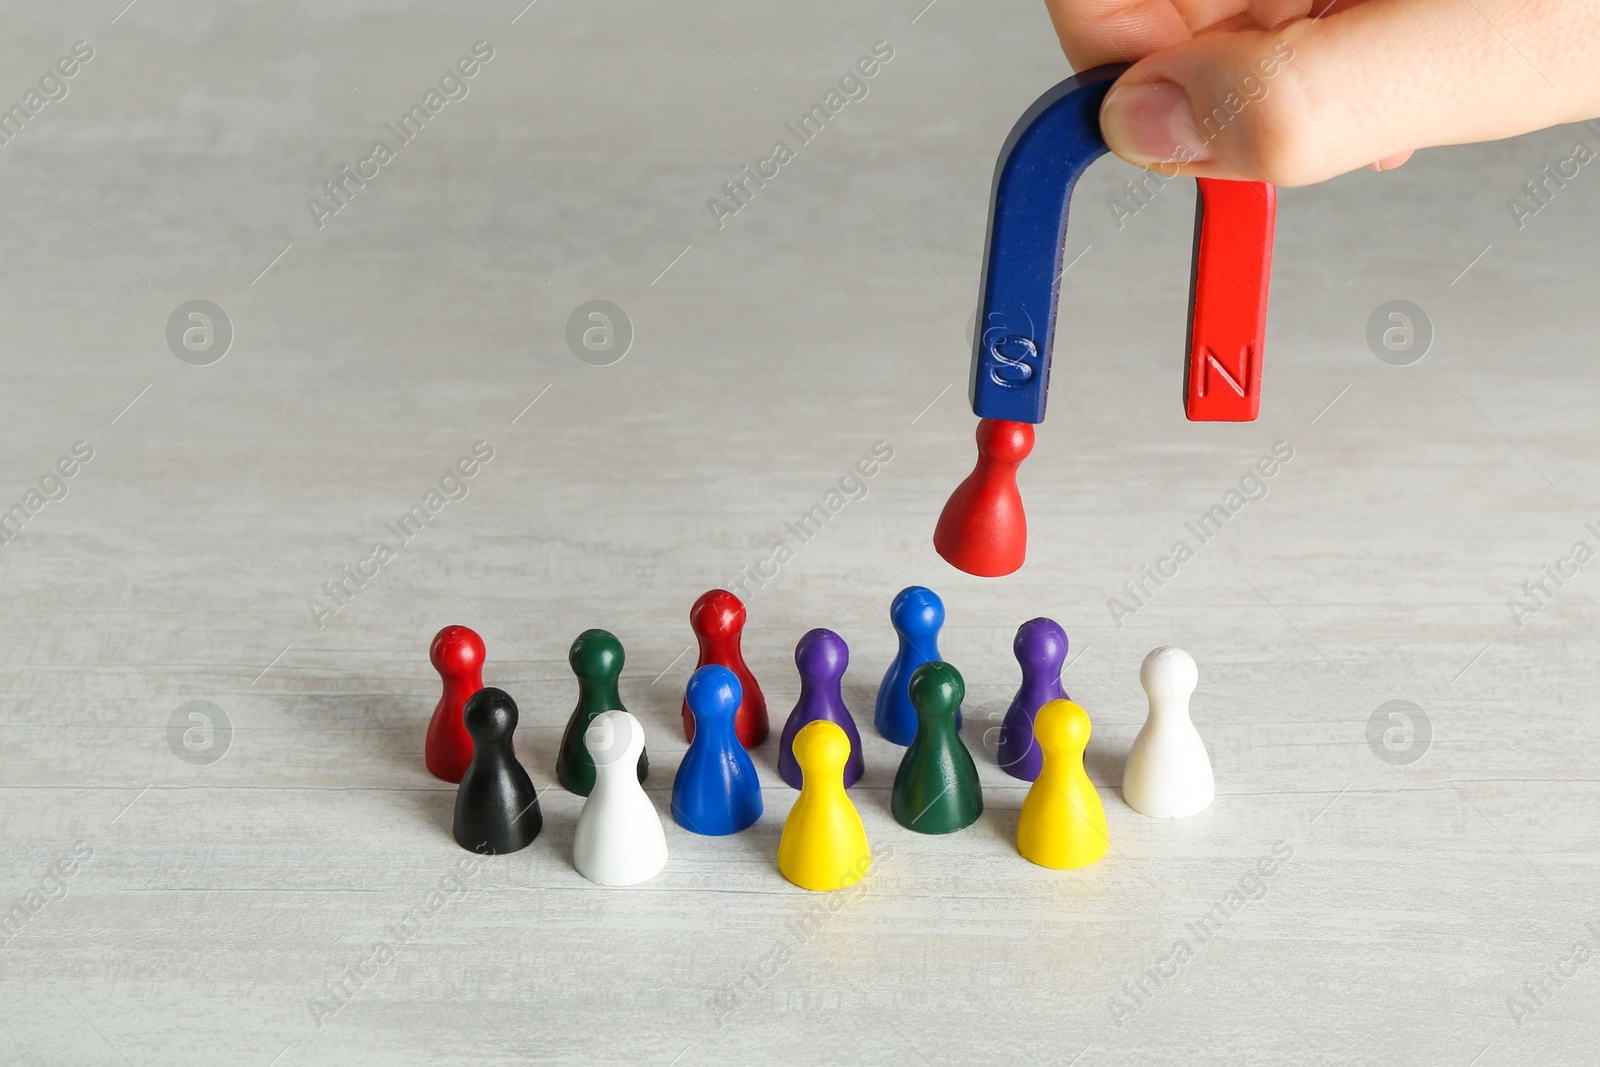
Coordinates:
983	529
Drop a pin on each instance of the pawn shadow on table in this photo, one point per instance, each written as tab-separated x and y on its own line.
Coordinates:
396	745
980	729
1104	762
759	840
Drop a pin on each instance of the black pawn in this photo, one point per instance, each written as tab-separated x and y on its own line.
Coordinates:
497	808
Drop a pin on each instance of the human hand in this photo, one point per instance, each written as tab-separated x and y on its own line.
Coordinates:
1298	91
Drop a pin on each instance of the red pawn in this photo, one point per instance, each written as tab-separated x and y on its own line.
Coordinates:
983	529
717	619
457	654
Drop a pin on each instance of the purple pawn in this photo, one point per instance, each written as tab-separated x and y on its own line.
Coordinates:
1041	649
821	657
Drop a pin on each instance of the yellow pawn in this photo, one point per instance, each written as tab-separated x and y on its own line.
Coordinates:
1062	825
824	845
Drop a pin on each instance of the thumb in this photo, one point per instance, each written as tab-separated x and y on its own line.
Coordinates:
1316	97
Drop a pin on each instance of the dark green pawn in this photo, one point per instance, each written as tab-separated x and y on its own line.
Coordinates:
596	658
936	789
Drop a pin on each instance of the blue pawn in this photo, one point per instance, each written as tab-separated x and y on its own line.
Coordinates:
716	791
916	614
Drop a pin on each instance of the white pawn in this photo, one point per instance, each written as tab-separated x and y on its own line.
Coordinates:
618	840
1168	775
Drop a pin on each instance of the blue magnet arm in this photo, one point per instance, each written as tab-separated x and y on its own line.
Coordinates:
1050	146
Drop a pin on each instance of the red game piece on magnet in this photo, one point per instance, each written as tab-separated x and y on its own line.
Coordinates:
717	619
983	529
457	654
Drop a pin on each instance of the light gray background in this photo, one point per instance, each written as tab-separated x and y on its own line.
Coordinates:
220	901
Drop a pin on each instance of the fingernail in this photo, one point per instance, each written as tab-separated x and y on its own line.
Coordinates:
1388	163
1152	123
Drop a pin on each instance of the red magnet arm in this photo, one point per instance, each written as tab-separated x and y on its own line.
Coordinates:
1228	300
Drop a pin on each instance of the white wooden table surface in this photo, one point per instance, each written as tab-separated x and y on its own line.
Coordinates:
165	906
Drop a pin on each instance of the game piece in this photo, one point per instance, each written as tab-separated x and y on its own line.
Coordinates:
1041	650
983	529
717	619
824	845
618	840
821	657
916	615
1063	824
457	654
497	808
596	658
936	789
716	791
1168	774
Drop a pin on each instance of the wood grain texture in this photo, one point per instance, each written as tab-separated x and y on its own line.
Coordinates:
219	904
